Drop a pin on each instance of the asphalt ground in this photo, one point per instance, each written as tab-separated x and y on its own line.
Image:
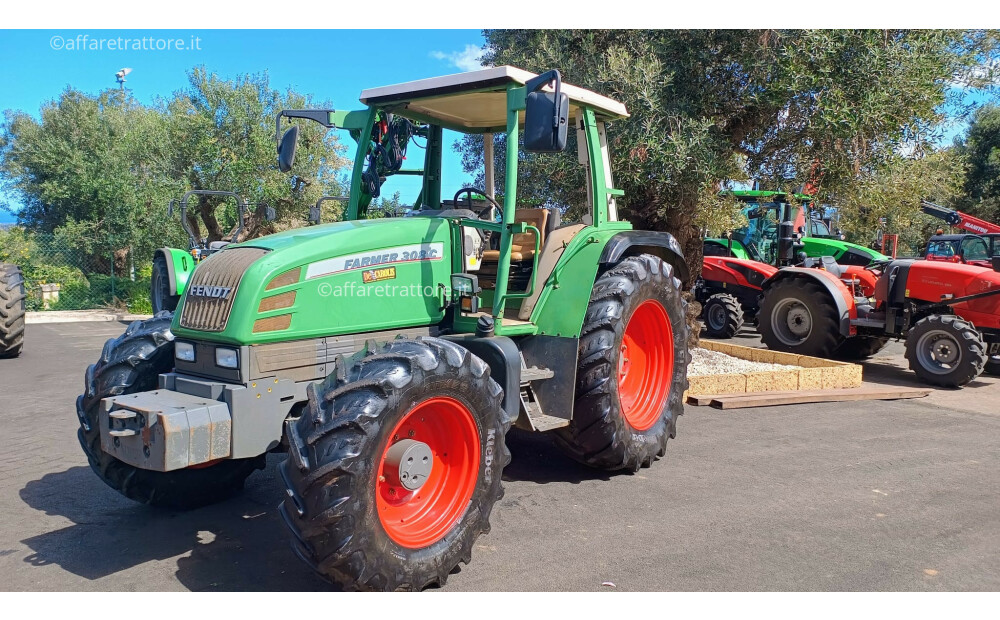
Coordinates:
892	495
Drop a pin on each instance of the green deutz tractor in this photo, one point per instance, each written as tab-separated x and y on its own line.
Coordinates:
387	358
172	267
759	239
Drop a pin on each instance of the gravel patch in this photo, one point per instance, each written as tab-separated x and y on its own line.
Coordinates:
705	362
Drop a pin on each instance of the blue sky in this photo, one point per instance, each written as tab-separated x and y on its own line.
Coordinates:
332	65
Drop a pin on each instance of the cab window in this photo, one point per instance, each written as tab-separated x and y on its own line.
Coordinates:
943	249
974	248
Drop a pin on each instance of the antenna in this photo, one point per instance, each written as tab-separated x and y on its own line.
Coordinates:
120	76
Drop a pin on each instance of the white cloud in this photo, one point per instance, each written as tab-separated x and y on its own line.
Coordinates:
465	60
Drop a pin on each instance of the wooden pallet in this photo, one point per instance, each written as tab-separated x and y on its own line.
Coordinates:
770	399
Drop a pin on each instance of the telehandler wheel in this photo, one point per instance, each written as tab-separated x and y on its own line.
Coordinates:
632	369
160	295
131	363
798	316
860	347
945	350
12	309
395	465
723	316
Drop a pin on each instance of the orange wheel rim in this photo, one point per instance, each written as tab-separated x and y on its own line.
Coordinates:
421	517
645	365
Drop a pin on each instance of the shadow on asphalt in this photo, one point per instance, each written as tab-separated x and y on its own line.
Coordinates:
535	458
239	544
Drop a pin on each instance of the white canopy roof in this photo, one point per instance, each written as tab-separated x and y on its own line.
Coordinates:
476	100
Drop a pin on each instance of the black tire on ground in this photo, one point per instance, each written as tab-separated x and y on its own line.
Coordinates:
12	309
600	435
332	475
798	316
160	295
945	350
723	316
993	365
860	347
131	363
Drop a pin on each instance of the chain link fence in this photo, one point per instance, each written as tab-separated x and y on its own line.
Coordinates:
84	275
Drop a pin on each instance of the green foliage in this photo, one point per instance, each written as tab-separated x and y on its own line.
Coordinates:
97	171
981	149
833	107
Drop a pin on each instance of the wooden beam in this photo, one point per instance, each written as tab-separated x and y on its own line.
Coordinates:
766	399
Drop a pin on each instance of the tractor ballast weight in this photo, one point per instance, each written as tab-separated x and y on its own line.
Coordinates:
390	356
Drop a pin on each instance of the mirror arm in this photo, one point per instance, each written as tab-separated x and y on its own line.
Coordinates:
536	83
318	116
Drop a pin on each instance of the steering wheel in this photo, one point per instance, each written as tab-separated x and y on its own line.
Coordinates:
472	190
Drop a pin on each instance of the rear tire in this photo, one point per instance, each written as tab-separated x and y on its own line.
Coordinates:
12	308
860	347
945	350
132	363
348	518
798	316
161	296
623	421
722	315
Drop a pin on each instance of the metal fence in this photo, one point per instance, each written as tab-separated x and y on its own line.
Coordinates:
81	275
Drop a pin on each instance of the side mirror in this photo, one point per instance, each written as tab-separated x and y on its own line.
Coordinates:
314	214
270	214
286	148
170	208
546	115
996	263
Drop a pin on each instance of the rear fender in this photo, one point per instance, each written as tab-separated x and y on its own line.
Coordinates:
839	293
632	242
180	265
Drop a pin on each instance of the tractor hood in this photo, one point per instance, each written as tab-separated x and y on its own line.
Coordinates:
846	253
366	275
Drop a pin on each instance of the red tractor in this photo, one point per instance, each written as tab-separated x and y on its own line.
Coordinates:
948	313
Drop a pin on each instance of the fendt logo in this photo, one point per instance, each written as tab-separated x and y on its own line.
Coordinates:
212	292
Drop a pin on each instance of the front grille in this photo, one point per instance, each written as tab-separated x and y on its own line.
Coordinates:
221	270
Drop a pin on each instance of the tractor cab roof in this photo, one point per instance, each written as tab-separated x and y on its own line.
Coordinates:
476	101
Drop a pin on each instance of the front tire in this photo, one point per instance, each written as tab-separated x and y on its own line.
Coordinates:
353	517
12	308
723	316
132	363
945	350
798	316
161	296
632	367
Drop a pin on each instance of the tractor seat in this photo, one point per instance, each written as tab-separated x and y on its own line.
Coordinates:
522	246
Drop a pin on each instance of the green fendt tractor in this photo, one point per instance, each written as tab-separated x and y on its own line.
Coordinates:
389	357
12	307
172	267
758	240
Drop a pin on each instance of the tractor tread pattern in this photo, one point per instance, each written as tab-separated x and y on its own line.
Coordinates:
860	347
734	315
826	337
598	435
161	279
329	474
132	363
974	356
12	310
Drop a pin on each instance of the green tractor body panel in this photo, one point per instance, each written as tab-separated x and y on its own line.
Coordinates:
182	264
354	276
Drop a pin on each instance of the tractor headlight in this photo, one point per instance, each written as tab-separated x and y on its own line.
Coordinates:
227	358
184	351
